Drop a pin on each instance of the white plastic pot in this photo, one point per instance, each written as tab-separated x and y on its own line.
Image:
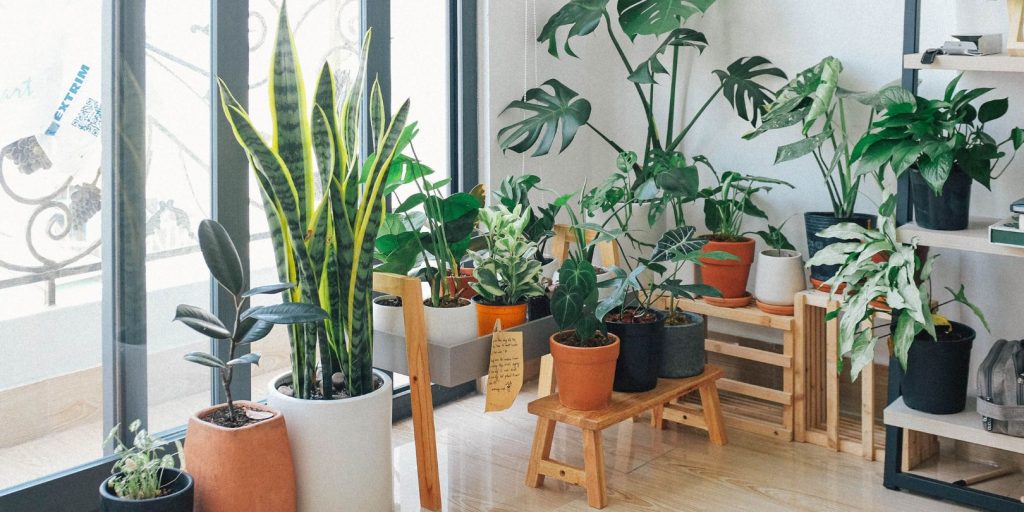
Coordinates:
341	448
779	276
389	319
450	326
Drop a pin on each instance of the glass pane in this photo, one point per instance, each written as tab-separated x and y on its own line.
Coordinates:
324	31
177	199
50	149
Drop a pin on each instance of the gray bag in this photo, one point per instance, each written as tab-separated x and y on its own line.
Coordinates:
1001	388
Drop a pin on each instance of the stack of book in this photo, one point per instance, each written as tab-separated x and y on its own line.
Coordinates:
1007	232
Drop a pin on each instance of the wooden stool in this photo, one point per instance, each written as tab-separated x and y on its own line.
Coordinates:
623	406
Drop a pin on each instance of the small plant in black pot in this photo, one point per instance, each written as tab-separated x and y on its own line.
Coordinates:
945	147
144	477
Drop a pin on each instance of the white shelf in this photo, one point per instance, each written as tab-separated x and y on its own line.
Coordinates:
962	426
972	239
1001	63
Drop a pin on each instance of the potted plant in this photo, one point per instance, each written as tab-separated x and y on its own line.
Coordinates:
239	444
338	407
945	147
428	234
816	103
726	204
143	478
780	273
583	350
507	272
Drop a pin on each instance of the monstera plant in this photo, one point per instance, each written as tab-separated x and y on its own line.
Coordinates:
554	107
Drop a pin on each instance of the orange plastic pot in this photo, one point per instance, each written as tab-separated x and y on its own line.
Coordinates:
488	314
584	374
728	276
241	469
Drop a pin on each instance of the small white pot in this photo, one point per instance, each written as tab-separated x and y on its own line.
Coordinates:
389	319
341	448
779	276
450	326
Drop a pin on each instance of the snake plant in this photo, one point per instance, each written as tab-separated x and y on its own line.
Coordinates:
323	241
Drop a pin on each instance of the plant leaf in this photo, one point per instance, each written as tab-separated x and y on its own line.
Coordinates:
582	16
745	95
677	242
252	330
202	321
545	112
247	359
656	17
288	313
992	110
221	257
961	297
268	289
205	359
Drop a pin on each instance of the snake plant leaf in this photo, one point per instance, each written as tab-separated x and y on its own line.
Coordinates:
289	313
656	17
581	16
739	87
252	330
545	112
202	321
205	359
221	257
268	289
675	242
245	360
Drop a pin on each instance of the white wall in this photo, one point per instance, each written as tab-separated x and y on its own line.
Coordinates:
866	35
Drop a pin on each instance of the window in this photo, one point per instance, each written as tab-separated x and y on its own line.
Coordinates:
72	359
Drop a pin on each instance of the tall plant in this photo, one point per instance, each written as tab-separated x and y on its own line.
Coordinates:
553	106
323	242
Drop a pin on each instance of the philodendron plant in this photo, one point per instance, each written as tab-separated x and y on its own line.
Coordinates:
574	301
249	324
507	272
324	242
554	107
727	203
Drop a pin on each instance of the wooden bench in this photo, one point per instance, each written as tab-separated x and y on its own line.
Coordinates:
623	406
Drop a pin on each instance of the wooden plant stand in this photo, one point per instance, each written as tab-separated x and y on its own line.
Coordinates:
623	406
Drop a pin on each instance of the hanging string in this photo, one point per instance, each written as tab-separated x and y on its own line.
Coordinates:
526	77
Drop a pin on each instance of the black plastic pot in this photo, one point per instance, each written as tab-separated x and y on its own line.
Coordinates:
948	211
814	222
639	354
538	307
178	497
935	380
682	349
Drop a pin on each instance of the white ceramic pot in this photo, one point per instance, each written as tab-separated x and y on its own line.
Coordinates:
779	276
450	326
341	448
389	319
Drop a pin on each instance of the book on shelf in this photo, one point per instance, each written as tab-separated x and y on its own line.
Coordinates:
1007	232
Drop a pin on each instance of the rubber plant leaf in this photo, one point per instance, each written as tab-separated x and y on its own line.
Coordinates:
221	257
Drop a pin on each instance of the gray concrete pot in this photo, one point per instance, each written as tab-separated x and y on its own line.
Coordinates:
682	349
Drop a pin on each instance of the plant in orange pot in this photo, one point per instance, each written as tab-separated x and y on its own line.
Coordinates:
726	205
507	272
240	445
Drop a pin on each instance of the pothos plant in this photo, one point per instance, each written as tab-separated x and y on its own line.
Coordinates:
730	200
507	272
554	107
816	103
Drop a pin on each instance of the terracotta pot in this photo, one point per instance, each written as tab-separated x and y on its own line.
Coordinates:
728	276
229	464
488	314
584	374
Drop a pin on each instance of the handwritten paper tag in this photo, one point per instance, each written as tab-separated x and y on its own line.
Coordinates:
505	376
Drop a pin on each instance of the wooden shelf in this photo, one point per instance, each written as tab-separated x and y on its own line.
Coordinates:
962	426
972	239
1001	63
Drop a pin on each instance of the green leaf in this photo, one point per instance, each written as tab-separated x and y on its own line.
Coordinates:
656	17
896	98
288	313
268	289
935	171
992	110
677	242
646	71
545	112
739	87
905	155
582	16
205	359
253	330
821	102
961	297
689	291
247	359
1017	136
221	257
202	321
801	148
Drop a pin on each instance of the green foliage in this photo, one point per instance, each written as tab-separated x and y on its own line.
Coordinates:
515	191
574	301
139	467
507	272
250	323
739	87
731	200
324	242
547	112
775	238
933	136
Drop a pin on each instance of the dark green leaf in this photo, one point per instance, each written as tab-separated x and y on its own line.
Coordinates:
677	242
582	16
221	256
252	330
745	95
288	313
247	359
205	359
1017	136
545	112
992	110
202	321
656	17
268	289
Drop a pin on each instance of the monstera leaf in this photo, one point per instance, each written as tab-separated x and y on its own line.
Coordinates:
545	112
742	91
656	17
582	16
645	72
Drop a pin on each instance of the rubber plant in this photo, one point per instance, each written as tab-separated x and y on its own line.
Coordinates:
554	107
249	324
324	242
